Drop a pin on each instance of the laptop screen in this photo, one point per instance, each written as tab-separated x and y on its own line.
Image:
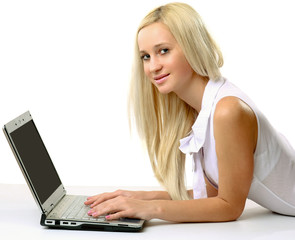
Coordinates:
36	160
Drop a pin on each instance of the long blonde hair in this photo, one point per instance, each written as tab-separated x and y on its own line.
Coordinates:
162	120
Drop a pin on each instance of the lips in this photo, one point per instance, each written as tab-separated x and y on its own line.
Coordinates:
161	78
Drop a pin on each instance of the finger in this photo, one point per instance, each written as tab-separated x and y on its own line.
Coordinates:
91	199
88	202
104	197
95	212
110	206
95	199
116	215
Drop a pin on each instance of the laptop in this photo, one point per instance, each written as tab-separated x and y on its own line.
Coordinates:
58	210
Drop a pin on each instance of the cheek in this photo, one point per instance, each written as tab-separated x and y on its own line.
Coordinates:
146	70
184	68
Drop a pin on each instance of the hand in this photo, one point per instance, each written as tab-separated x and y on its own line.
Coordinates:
122	206
98	199
121	203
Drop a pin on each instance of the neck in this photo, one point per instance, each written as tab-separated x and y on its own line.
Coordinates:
193	93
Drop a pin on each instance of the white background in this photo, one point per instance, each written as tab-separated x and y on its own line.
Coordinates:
69	63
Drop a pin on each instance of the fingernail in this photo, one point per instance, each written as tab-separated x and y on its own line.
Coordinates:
89	212
108	217
94	214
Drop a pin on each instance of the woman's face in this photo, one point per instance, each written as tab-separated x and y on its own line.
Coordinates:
163	59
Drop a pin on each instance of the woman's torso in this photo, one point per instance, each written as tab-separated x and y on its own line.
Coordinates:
273	184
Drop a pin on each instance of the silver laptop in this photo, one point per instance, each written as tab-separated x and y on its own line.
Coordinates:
58	209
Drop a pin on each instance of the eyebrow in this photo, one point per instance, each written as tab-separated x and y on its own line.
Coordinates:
156	46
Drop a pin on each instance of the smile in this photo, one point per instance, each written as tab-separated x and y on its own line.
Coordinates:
161	78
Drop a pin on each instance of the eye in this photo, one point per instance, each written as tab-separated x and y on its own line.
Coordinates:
145	57
164	50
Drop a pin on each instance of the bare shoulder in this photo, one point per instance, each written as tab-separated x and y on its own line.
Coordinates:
232	115
233	108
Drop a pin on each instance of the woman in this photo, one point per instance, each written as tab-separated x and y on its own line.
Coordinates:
178	94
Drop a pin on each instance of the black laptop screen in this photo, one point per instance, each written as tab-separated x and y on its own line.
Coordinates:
36	160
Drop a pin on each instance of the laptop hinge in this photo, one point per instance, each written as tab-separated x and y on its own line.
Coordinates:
52	206
54	199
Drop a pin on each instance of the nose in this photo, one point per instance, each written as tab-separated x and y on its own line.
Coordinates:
155	65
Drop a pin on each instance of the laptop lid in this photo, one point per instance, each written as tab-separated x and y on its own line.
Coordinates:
34	161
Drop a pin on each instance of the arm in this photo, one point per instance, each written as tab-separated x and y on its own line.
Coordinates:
235	131
140	195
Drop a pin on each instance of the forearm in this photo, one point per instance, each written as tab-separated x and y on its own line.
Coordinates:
199	210
161	195
155	195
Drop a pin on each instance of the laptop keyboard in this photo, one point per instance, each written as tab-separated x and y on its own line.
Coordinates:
76	210
73	207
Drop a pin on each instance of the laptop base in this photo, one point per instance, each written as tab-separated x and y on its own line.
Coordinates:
58	224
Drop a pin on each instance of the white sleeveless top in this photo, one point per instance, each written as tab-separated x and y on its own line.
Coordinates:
273	184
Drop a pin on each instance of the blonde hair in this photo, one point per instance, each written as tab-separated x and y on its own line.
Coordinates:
162	120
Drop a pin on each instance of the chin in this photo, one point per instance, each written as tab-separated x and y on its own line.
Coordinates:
163	90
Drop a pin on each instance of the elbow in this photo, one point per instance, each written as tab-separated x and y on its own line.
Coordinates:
229	215
233	213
